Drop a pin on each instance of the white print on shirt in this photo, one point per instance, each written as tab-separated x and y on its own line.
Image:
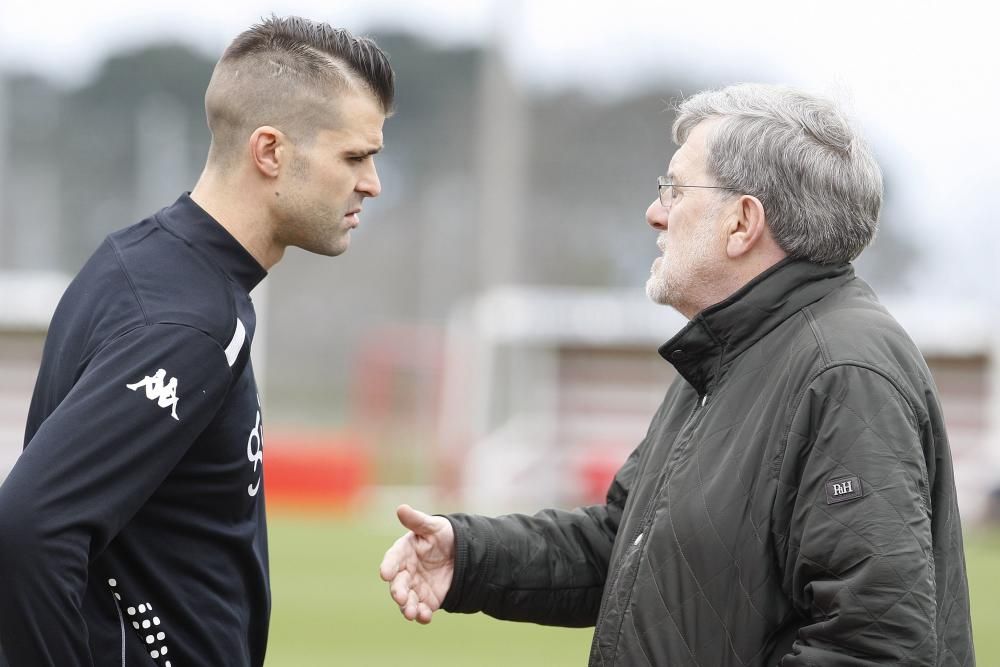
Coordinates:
255	454
147	625
165	395
236	344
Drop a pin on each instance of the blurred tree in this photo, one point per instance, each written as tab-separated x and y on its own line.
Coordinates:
31	179
87	161
103	155
887	264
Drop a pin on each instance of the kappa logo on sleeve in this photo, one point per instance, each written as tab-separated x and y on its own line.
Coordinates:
843	489
165	395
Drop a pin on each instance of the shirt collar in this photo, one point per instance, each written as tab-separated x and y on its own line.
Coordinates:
195	226
717	335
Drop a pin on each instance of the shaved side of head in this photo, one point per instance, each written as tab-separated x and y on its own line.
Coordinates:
288	73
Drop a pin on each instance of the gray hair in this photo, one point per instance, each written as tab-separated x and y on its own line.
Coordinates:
797	153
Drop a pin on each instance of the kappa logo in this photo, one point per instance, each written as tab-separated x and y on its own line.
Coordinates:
165	395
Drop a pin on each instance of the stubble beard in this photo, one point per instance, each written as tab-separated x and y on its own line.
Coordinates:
658	286
319	228
684	274
312	225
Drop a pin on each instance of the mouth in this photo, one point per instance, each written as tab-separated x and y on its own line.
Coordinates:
352	217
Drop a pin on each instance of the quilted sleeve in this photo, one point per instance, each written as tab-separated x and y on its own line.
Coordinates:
548	568
858	561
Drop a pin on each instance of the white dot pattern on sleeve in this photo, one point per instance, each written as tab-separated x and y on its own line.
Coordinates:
160	637
143	624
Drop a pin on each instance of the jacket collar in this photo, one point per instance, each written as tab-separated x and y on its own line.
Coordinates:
719	334
201	231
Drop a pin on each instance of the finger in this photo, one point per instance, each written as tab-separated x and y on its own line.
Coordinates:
388	568
396	558
391	561
400	588
415	520
411	606
424	590
424	614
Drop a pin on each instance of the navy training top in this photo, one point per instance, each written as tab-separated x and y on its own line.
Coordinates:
132	527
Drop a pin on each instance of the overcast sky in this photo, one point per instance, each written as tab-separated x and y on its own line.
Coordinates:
923	78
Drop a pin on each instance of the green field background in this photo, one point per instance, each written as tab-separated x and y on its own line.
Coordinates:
331	608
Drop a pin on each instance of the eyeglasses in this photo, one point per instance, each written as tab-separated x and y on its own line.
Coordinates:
668	190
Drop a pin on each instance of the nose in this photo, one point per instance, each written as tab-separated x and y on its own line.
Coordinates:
369	184
656	215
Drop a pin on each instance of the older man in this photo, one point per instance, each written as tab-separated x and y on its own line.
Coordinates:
793	501
132	528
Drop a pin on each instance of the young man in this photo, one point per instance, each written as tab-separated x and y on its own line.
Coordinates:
793	502
133	527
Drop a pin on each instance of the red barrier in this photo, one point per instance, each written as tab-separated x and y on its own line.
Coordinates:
597	469
316	471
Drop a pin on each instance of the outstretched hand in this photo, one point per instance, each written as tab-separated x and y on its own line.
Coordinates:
419	566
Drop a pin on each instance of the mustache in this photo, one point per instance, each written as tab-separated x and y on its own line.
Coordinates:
661	241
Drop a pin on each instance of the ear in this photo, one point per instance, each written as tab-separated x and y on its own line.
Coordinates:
748	227
268	150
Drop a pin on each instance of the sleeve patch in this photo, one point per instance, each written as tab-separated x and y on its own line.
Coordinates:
843	489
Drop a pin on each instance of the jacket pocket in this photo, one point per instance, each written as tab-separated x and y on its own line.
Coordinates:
617	598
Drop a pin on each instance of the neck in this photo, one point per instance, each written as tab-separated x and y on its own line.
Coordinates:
241	215
737	277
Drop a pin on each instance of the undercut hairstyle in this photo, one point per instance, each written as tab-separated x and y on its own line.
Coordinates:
286	72
815	176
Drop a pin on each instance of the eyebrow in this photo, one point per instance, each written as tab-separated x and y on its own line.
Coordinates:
362	152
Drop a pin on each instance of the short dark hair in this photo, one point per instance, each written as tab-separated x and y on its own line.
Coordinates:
309	45
284	72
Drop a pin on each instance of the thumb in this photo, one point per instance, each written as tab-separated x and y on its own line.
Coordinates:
415	520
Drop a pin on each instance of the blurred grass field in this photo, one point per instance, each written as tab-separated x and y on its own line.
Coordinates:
331	608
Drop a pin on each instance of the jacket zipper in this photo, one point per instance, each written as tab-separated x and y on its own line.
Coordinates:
644	524
121	623
668	469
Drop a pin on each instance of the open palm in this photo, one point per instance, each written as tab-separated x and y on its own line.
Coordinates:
419	565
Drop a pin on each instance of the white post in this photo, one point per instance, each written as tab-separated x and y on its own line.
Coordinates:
501	155
5	234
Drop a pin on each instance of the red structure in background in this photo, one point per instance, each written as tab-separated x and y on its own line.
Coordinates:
596	472
320	471
397	377
394	401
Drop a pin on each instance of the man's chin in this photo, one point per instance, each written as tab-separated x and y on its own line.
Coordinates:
339	248
657	292
331	249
